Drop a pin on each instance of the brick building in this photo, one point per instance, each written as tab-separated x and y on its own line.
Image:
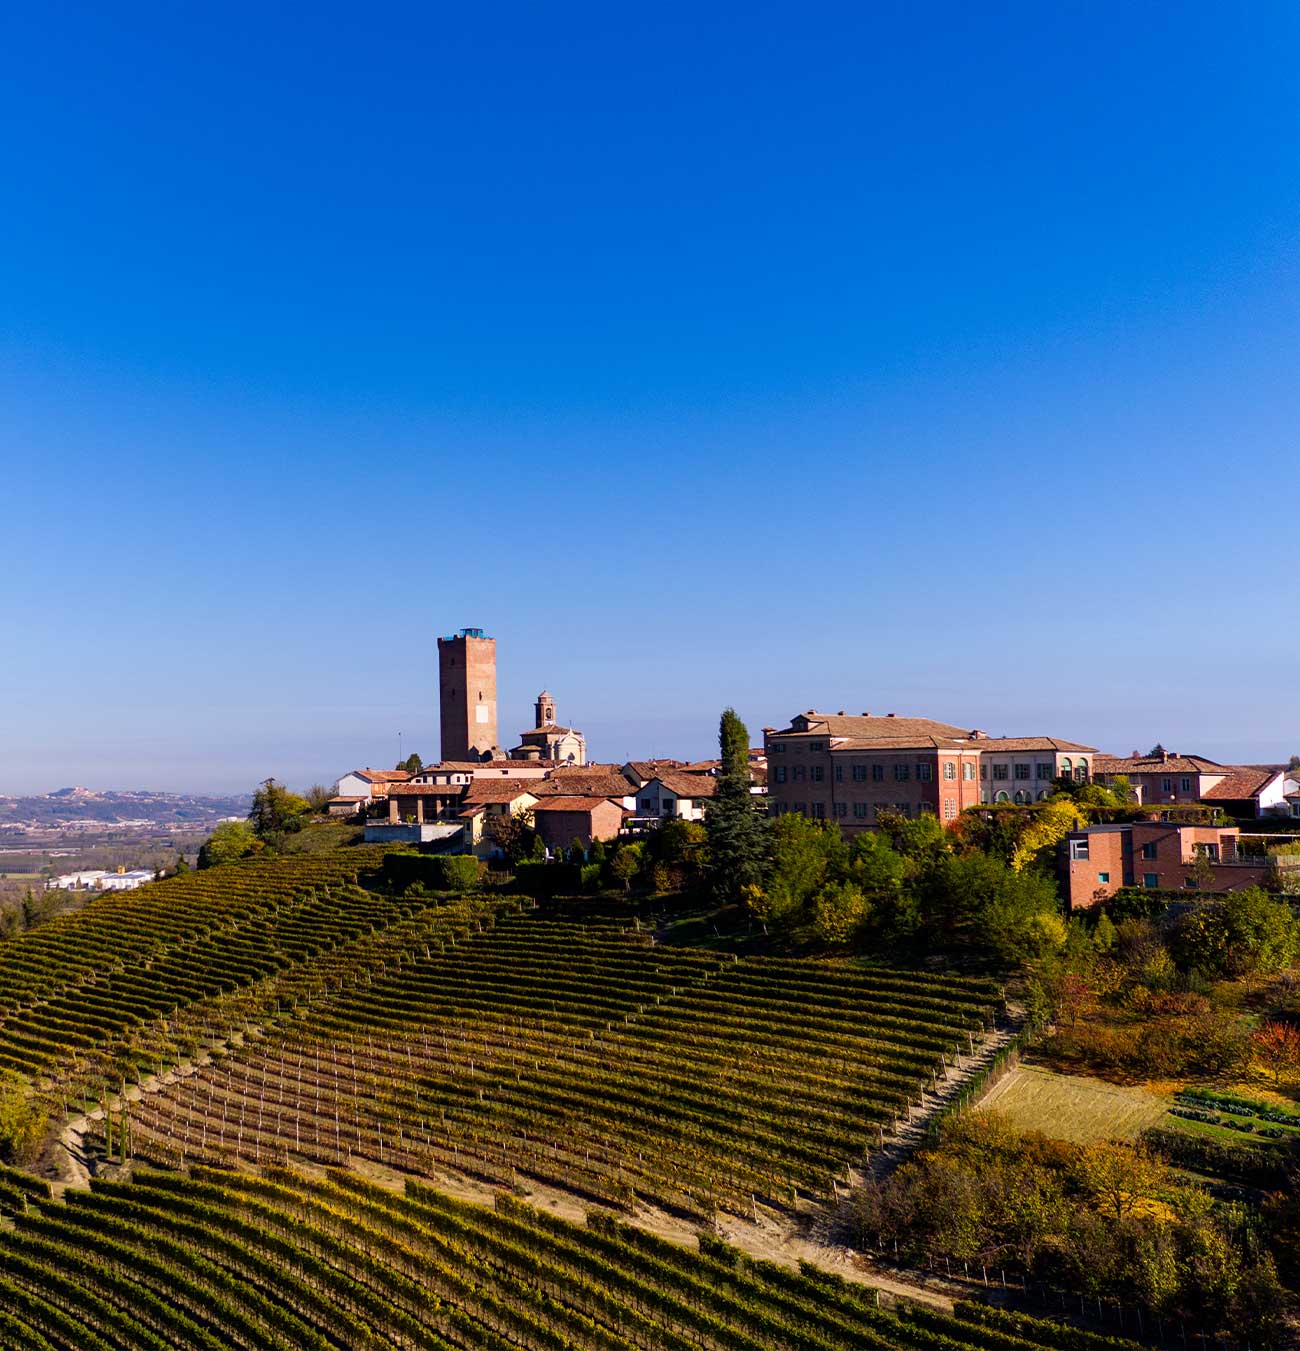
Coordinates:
1097	861
1166	778
559	821
467	696
835	767
1021	769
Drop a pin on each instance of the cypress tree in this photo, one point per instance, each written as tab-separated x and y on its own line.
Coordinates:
739	840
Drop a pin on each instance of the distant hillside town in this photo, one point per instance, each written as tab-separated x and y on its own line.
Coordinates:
856	770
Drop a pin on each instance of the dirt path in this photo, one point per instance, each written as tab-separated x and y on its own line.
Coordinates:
71	1160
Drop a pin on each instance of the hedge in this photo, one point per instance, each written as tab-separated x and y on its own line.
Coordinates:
438	872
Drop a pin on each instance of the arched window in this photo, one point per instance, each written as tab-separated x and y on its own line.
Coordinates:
1066	767
1042	795
1002	796
1021	797
1081	772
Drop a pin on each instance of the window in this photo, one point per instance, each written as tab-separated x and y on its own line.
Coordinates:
949	808
968	772
1149	850
877	773
819	811
1002	796
1001	772
1185	784
949	771
1043	769
839	772
1081	773
1210	851
1067	767
859	773
816	745
1295	809
1042	795
1166	785
778	747
924	773
1021	797
647	804
925	809
860	810
1150	879
984	770
1103	877
900	773
816	773
801	808
841	809
1022	770
780	773
1078	850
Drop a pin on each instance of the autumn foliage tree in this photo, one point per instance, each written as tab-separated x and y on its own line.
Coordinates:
1277	1048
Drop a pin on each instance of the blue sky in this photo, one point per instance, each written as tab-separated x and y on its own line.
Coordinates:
934	359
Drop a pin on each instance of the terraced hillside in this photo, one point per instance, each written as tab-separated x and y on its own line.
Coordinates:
582	1057
215	1260
108	991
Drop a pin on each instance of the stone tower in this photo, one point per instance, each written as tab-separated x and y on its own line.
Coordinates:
467	695
545	710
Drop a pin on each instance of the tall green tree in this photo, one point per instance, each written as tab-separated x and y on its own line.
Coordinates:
739	838
276	811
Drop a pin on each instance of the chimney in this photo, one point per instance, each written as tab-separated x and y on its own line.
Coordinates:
1164	756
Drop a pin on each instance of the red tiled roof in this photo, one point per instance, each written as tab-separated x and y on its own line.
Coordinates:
382	775
499	790
579	784
427	789
561	803
1241	783
688	785
1031	743
867	727
1146	764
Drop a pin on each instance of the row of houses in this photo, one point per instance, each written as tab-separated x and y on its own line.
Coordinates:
851	768
452	805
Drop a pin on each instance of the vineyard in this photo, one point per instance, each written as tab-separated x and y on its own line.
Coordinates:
512	1046
139	977
212	1259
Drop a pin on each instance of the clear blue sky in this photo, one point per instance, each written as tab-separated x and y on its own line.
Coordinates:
931	359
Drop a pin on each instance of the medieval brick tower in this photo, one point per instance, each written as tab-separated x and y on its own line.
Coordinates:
467	695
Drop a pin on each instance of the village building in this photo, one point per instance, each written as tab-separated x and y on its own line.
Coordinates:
674	795
1167	779
548	740
1157	855
855	769
1022	769
560	821
487	801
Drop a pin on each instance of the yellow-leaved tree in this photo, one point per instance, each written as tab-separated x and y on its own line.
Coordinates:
1049	825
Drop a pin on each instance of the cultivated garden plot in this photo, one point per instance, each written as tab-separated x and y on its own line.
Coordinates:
216	1259
516	1046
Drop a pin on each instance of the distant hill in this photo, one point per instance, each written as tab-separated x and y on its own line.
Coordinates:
68	806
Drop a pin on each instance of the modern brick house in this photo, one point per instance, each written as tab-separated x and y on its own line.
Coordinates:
1097	861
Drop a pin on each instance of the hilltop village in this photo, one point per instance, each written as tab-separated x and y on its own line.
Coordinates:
1182	814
